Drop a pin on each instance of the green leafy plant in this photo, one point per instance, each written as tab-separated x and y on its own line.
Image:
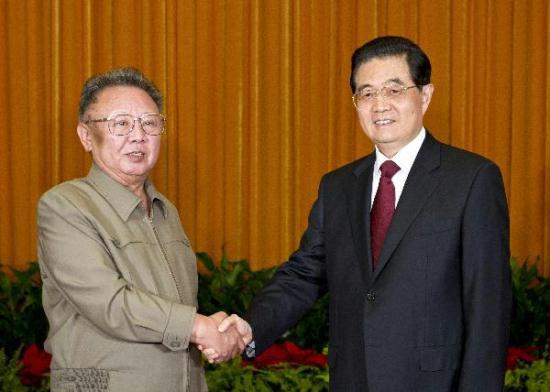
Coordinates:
531	315
230	286
9	373
532	378
232	376
22	320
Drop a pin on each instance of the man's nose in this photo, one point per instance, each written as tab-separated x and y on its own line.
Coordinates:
137	133
380	102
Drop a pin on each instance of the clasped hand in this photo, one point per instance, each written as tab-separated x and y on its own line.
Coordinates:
221	337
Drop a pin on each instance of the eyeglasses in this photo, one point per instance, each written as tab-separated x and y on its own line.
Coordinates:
123	124
368	94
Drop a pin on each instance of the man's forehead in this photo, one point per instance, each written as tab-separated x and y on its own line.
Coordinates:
390	69
119	96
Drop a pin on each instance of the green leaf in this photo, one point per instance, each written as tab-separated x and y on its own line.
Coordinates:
232	276
206	261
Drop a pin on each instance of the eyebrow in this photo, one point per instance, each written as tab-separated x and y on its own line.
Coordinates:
392	80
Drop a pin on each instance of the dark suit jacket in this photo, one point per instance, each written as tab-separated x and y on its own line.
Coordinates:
434	315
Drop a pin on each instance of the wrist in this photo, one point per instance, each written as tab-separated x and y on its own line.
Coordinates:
199	327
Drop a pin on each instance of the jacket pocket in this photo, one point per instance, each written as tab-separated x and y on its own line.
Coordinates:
137	261
433	359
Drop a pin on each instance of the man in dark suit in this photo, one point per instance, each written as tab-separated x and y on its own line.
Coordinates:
412	242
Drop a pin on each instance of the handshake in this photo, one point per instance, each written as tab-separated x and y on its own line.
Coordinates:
220	337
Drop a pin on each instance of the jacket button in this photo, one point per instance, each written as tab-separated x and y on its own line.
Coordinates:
175	344
371	296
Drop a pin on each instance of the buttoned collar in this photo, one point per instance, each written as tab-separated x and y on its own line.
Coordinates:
121	198
404	157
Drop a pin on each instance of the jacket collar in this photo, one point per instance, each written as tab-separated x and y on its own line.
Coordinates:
123	200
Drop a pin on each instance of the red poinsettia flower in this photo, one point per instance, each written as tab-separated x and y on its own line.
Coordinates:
516	354
304	356
288	352
35	362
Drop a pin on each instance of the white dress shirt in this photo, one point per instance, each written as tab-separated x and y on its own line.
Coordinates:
404	159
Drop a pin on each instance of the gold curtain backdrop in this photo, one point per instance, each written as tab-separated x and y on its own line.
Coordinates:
258	105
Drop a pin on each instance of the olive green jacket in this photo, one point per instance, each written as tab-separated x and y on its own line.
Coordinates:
119	289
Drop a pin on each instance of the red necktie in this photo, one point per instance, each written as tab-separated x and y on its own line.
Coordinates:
382	209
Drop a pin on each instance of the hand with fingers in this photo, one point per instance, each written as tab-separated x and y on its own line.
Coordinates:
240	325
229	324
217	346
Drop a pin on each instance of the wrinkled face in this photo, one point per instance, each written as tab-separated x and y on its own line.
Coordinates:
390	119
127	159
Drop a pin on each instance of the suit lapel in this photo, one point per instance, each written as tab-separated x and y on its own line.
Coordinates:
359	213
420	184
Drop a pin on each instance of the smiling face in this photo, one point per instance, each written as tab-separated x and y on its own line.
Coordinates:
127	159
391	122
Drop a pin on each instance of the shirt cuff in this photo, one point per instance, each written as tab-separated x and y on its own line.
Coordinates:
179	327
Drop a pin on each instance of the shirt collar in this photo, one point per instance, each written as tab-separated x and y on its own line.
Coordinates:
404	157
123	200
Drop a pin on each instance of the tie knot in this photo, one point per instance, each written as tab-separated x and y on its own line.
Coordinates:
389	168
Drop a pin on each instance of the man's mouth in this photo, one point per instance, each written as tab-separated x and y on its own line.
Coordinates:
136	156
384	121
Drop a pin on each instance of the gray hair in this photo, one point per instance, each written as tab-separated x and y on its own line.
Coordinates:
117	77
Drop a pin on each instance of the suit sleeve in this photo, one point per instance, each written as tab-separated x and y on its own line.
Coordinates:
77	268
486	290
295	286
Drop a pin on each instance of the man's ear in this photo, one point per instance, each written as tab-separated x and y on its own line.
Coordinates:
85	136
426	96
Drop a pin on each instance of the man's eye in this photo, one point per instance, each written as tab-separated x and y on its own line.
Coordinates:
394	91
367	94
121	123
